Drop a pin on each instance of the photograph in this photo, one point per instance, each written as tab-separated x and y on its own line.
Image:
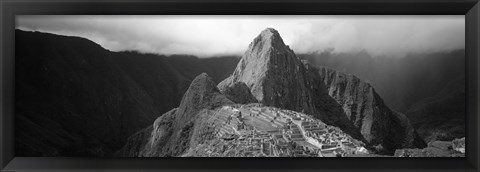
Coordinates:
240	86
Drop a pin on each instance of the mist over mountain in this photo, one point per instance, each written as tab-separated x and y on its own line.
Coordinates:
74	98
400	81
210	35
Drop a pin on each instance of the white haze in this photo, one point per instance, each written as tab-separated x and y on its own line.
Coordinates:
225	35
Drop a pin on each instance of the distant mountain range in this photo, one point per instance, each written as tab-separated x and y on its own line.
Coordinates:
75	98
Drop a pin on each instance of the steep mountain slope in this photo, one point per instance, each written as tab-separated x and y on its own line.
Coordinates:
74	98
365	108
276	77
172	132
442	116
272	72
427	87
200	96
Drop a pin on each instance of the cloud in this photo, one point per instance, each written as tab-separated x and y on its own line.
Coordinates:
219	35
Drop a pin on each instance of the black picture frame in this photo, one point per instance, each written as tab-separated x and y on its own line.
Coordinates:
9	9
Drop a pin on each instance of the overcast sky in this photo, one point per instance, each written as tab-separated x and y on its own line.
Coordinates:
221	35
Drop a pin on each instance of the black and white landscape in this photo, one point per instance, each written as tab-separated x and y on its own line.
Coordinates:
206	86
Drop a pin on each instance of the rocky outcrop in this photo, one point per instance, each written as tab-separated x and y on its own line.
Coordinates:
359	102
459	145
202	93
171	133
276	77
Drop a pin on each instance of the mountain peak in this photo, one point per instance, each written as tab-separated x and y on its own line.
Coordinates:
269	32
270	69
202	93
266	40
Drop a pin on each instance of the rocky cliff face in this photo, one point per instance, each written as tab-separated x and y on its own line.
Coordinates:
377	123
273	73
276	77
